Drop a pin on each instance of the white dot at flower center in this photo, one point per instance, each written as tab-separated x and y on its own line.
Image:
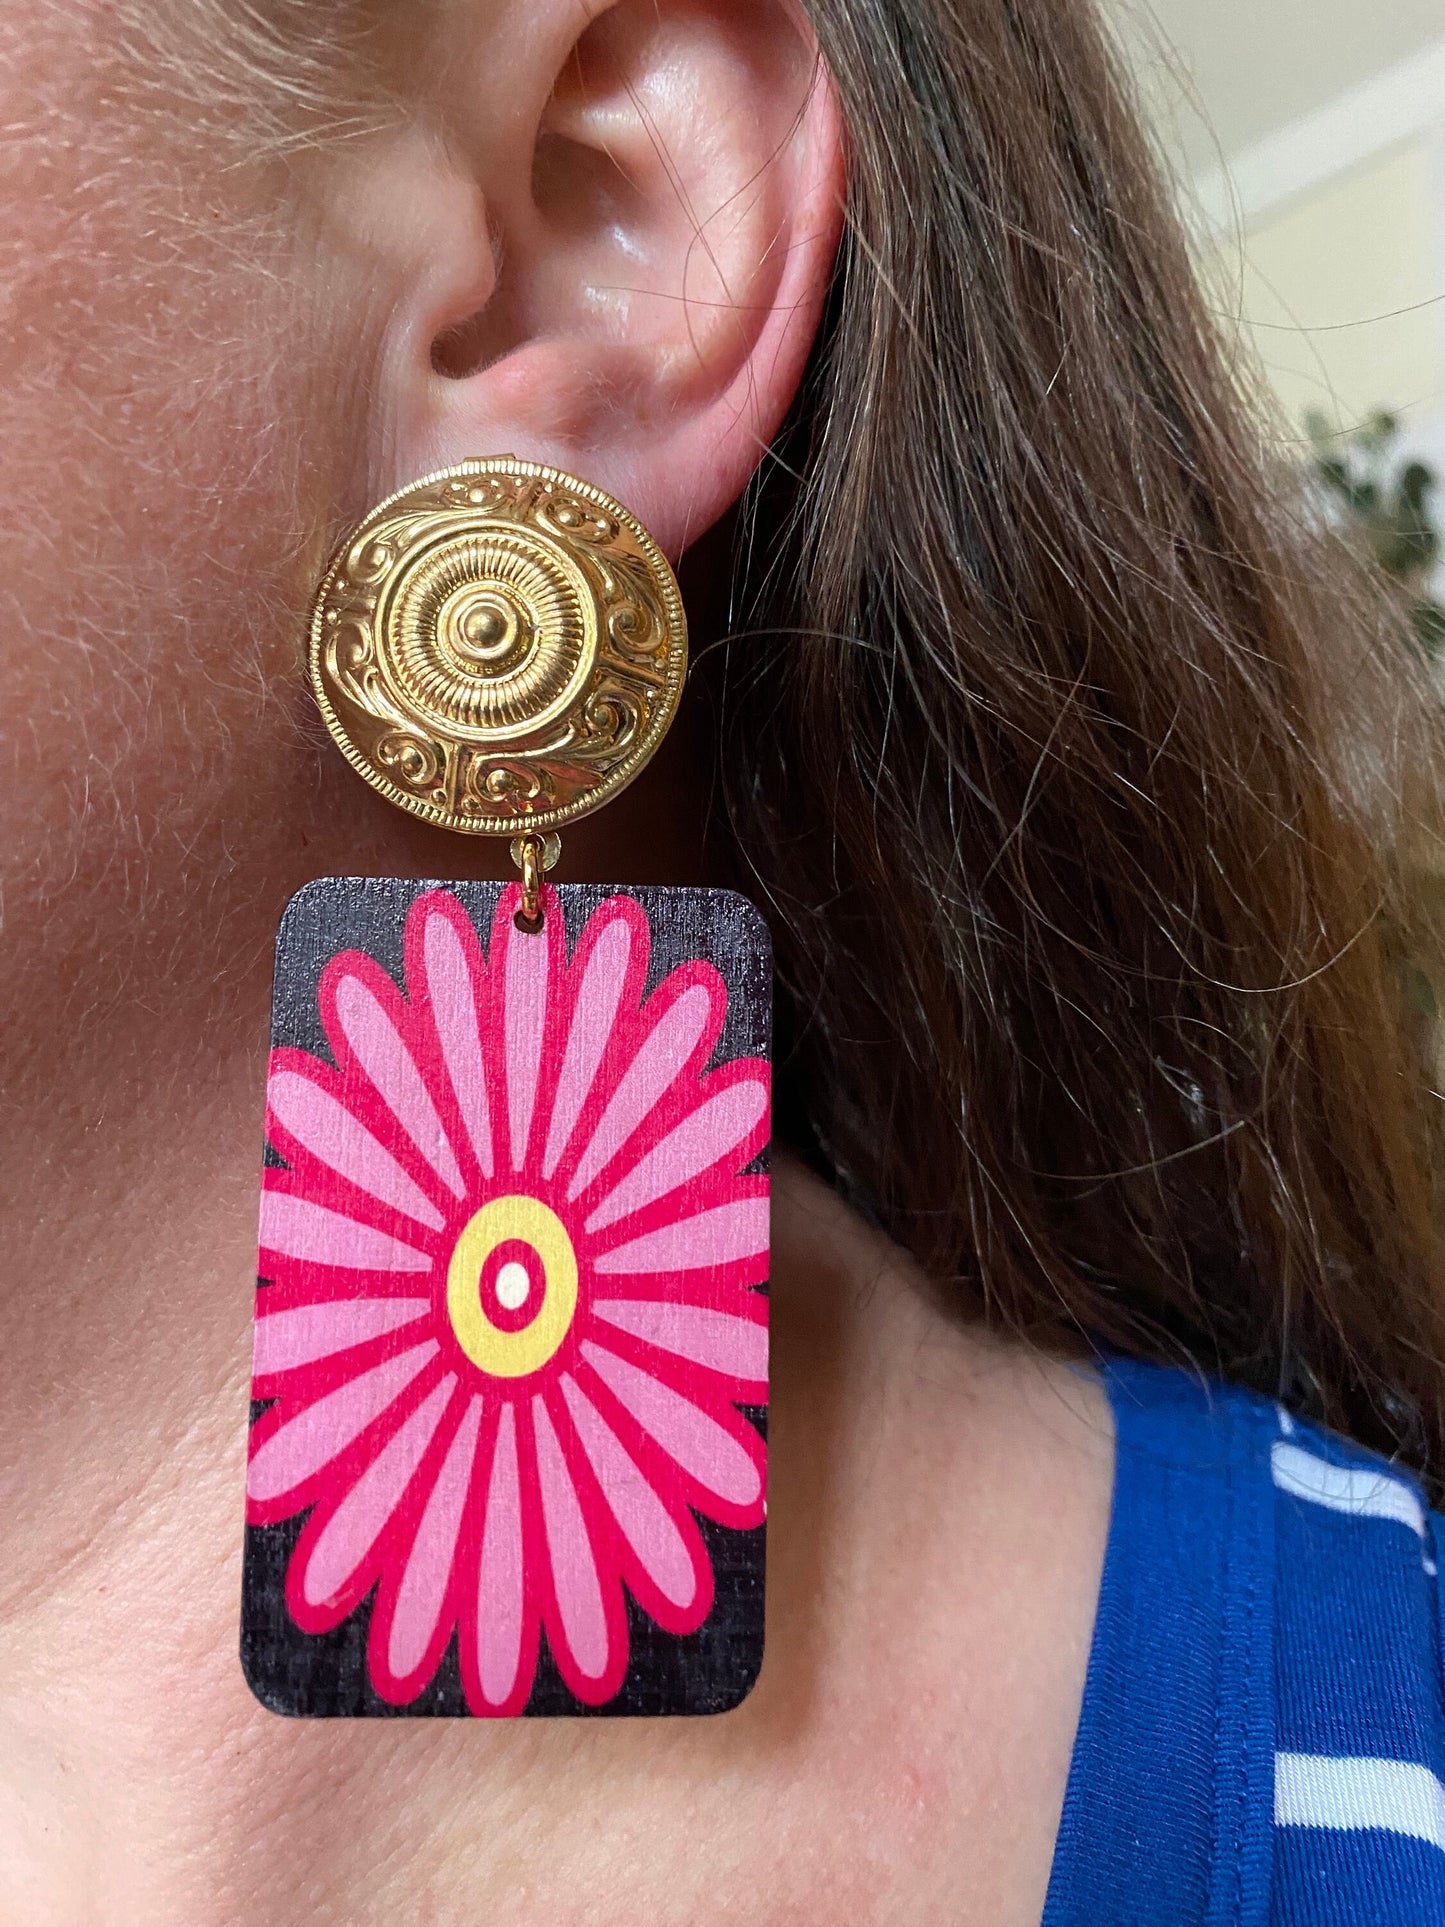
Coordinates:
513	1284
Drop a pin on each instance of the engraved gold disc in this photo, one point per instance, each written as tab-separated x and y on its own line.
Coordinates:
499	647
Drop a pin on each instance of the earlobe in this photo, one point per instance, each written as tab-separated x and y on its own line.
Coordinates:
659	239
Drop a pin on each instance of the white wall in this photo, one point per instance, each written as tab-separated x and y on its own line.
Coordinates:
1336	291
1321	225
1225	74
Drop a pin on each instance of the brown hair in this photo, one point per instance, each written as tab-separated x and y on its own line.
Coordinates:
1068	760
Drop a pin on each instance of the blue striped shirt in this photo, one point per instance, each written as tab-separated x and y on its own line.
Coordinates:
1262	1739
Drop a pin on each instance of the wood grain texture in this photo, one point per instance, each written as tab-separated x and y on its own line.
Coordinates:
510	1377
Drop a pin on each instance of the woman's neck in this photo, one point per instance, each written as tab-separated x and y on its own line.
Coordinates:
937	1521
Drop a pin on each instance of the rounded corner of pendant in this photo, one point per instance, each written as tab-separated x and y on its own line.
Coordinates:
302	900
749	916
267	1691
308	907
740	1688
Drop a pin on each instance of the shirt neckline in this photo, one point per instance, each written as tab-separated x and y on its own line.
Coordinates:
1168	1809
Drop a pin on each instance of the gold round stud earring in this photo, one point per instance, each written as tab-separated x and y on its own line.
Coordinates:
499	648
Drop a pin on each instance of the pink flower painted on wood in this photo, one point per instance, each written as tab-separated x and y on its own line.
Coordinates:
512	1307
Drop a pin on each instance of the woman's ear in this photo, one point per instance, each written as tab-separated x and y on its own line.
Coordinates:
606	249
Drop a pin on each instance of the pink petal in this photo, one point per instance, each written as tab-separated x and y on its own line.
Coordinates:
357	1523
569	1545
422	1592
717	1125
663	1052
295	1227
719	1340
499	1579
299	1334
646	1524
329	1424
526	971
385	1056
593	1016
697	1442
328	1130
452	992
717	1237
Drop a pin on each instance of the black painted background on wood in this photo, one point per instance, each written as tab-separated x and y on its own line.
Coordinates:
324	1676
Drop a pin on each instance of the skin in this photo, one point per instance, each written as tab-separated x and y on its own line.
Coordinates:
595	241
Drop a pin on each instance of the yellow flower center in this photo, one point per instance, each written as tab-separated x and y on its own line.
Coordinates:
527	1221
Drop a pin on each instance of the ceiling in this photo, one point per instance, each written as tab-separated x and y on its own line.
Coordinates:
1222	73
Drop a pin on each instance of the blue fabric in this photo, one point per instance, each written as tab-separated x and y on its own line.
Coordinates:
1262	1739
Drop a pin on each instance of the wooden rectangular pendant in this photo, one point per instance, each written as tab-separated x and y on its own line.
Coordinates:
510	1366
